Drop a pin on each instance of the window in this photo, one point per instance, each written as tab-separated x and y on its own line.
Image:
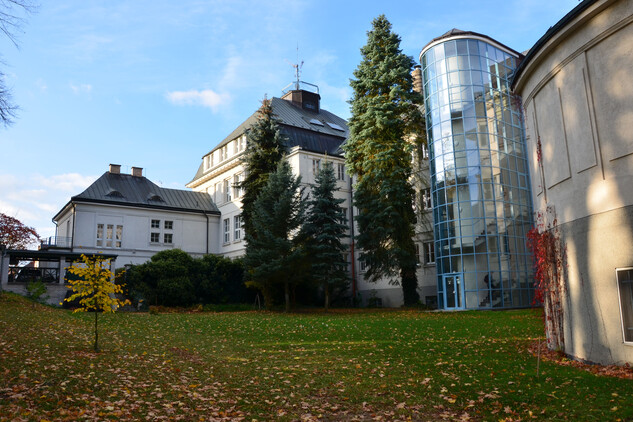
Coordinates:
344	214
417	253
426	199
227	190
237	189
169	225
227	230
362	265
118	240
316	166
237	223
341	172
425	151
168	238
99	234
625	290
109	234
218	192
242	143
429	252
155	224
206	163
154	237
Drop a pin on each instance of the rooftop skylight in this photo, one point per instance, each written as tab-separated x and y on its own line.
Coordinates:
335	126
316	122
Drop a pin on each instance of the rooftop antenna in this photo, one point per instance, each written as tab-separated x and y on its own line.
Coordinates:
297	66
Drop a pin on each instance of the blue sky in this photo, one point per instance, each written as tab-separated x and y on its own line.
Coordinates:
157	84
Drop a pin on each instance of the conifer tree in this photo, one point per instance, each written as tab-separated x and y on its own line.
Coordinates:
265	148
378	153
323	231
272	249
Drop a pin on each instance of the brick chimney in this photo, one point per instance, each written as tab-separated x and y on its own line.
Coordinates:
115	168
137	171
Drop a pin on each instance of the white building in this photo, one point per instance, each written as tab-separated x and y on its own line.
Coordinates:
314	136
130	216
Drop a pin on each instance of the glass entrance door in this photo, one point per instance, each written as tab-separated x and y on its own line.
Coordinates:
453	297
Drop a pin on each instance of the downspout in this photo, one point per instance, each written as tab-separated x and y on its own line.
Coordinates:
207	216
72	239
351	232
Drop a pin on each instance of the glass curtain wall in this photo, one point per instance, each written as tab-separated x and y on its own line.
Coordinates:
479	176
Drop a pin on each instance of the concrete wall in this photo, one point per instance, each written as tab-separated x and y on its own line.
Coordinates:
578	97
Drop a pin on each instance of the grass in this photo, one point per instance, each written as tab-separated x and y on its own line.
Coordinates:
346	365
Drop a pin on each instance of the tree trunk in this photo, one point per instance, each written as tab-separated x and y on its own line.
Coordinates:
287	294
96	333
409	286
326	288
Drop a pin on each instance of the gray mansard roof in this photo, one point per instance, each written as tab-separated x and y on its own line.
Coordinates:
294	122
138	191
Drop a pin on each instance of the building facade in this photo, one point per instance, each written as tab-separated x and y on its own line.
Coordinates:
130	216
314	136
577	91
480	186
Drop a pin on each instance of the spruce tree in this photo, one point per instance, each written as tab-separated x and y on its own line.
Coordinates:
272	249
323	231
378	152
265	148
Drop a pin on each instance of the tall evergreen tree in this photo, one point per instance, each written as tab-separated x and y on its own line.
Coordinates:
272	249
265	148
323	230
378	153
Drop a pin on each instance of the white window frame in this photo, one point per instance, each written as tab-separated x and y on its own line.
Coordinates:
109	235
237	227
118	236
154	224
218	192
341	172
100	231
169	223
429	252
316	165
427	202
227	230
237	180
152	235
227	190
171	238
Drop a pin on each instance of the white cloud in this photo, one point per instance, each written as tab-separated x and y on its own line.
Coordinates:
81	88
35	199
205	98
69	182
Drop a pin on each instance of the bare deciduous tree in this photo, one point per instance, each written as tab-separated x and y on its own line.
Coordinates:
12	18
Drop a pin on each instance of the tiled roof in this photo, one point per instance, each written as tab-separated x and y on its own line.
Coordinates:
125	189
294	122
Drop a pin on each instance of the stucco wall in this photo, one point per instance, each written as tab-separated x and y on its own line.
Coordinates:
578	97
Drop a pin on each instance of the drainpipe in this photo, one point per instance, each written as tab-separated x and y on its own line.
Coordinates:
207	216
72	239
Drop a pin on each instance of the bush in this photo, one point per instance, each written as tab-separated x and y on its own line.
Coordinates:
173	278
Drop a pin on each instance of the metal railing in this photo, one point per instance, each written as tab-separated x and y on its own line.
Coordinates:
30	274
56	242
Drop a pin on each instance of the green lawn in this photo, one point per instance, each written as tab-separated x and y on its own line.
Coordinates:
356	365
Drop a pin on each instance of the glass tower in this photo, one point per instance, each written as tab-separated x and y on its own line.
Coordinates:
479	176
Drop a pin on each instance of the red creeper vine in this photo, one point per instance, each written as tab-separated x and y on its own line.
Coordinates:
548	252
